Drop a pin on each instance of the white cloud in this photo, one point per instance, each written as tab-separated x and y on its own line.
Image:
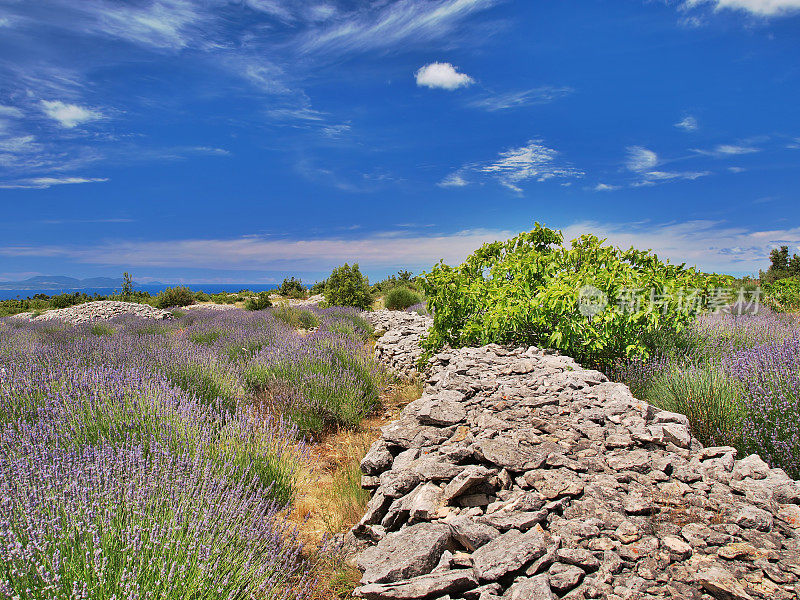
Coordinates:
392	23
540	95
641	159
453	180
710	245
9	111
736	169
764	8
443	76
41	183
5	22
69	115
534	161
605	187
687	124
713	246
334	131
158	24
723	150
656	177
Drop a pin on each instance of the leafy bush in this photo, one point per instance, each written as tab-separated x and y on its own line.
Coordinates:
293	288
318	287
177	296
346	286
67	300
202	297
400	298
402	279
594	302
258	302
783	294
298	318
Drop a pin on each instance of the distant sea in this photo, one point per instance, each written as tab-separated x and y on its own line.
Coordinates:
209	288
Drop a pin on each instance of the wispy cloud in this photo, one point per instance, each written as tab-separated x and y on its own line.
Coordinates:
531	162
393	23
443	76
69	115
9	111
378	250
723	150
162	24
710	245
453	180
538	95
656	177
763	8
605	187
41	183
641	159
688	123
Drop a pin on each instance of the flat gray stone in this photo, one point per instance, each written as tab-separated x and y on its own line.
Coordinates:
413	551
721	584
466	479
422	586
530	588
471	534
508	454
507	554
378	459
522	520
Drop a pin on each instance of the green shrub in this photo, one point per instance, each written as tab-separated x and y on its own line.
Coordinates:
293	288
706	396
590	301
400	298
101	329
298	318
202	297
177	296
258	302
318	287
346	286
784	294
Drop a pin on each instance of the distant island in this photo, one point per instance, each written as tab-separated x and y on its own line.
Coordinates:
62	282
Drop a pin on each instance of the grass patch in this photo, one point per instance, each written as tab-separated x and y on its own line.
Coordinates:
296	318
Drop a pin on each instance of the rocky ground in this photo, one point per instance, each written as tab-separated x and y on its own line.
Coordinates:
398	334
520	475
102	310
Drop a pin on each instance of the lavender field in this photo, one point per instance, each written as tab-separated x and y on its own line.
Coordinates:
737	378
143	459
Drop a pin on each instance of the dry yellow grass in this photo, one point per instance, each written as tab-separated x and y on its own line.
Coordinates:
329	497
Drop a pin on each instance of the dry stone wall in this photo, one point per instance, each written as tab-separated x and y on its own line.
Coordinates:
520	475
101	310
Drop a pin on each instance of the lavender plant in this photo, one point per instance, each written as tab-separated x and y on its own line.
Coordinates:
136	461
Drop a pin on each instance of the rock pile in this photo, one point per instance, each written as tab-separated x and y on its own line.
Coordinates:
102	310
398	334
520	475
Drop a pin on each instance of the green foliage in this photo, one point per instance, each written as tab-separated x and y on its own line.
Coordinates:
258	302
318	287
224	298
293	288
783	294
400	298
202	297
297	318
590	301
67	300
127	286
346	286
706	396
176	296
781	266
403	279
101	329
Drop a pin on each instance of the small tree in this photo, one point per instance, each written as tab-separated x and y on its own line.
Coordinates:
292	288
346	286
127	286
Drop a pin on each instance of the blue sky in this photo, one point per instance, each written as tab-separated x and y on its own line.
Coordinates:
241	141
